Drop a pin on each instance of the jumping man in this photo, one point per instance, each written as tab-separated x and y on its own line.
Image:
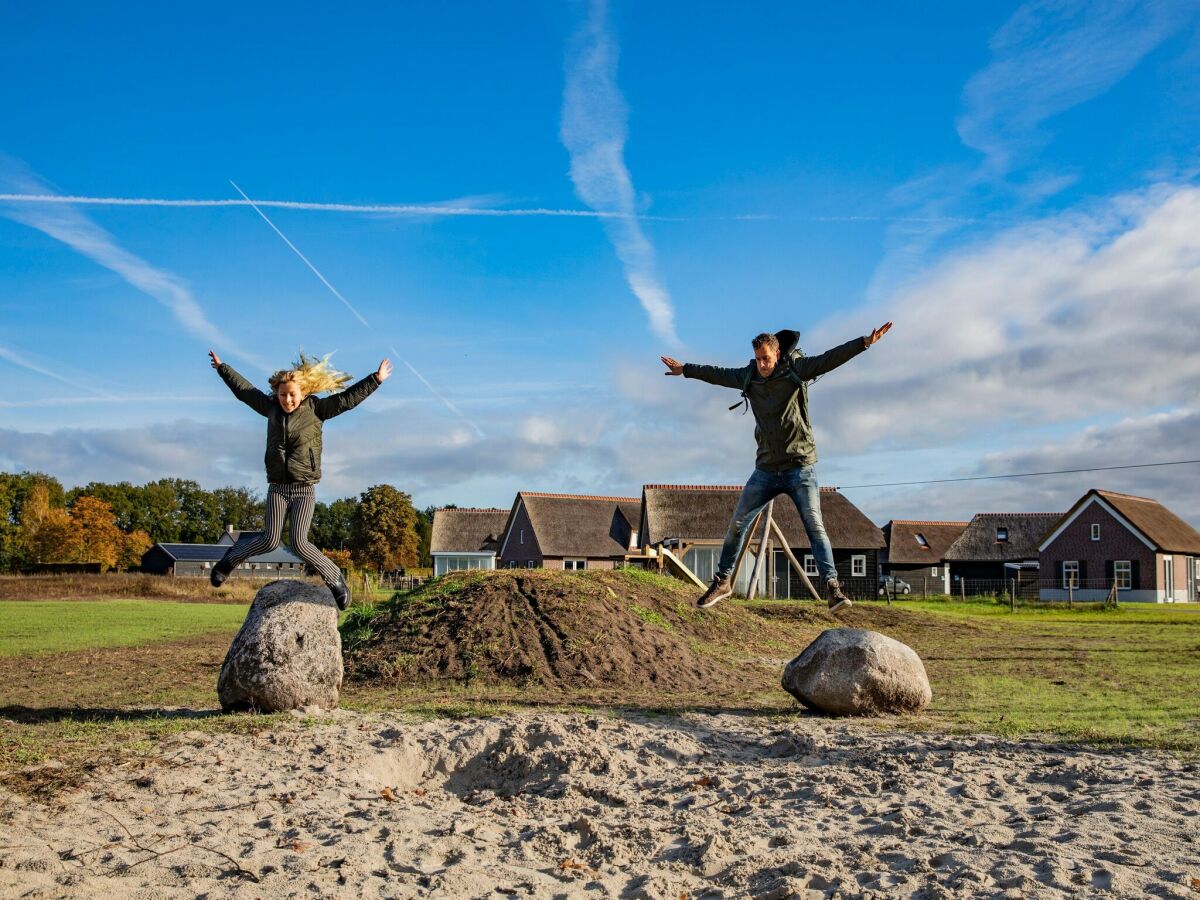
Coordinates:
775	387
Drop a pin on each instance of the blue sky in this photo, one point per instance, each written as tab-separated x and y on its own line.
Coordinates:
1015	185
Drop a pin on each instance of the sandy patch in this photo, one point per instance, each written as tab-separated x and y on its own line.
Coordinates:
555	805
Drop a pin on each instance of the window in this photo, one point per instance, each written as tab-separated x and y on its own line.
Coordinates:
1095	531
1123	574
531	563
921	540
574	565
858	566
522	535
933	570
810	564
512	563
1070	574
1001	535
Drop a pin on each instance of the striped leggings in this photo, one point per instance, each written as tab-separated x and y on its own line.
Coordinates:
297	501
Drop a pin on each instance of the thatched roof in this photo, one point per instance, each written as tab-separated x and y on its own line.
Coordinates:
694	512
978	542
467	530
1160	526
581	525
911	542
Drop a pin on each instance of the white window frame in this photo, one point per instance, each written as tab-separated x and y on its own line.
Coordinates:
1001	534
578	564
522	536
1127	572
1070	567
1095	531
858	566
935	571
531	563
810	564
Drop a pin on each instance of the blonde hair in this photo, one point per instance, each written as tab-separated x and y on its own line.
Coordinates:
314	376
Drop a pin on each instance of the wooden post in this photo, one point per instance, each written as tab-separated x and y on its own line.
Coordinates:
764	543
737	563
1013	585
792	559
962	589
1071	592
924	588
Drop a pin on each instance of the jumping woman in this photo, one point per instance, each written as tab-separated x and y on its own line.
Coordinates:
295	417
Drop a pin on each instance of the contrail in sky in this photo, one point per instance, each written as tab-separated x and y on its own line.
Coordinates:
350	306
400	209
594	128
18	360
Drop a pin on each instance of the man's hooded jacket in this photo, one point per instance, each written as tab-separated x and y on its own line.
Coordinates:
780	401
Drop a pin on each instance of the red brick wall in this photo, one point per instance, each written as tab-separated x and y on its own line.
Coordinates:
1116	542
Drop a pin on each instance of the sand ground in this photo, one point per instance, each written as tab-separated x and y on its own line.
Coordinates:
576	805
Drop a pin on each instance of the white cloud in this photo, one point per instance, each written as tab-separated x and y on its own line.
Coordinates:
594	126
1050	57
1056	321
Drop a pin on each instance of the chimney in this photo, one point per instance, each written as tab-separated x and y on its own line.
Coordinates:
229	530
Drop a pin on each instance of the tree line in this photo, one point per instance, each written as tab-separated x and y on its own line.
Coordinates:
114	524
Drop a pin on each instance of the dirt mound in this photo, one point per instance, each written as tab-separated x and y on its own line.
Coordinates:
622	629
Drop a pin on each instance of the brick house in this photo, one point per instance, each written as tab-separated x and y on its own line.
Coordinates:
569	531
916	553
691	521
996	549
466	538
1149	552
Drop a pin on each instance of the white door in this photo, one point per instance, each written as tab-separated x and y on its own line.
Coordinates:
1168	579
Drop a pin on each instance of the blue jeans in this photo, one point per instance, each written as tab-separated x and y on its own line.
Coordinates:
800	484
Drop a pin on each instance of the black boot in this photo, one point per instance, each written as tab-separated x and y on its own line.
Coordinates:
341	594
220	572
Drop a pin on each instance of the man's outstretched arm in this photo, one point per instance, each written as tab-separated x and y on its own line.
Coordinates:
810	367
718	375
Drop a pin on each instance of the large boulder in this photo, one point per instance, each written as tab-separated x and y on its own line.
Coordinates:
288	654
855	672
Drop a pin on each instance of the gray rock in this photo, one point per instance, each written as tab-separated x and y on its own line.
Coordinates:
855	672
288	654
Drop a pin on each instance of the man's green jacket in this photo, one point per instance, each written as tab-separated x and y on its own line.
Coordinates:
294	439
780	401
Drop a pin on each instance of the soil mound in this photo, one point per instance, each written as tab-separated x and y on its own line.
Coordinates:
623	629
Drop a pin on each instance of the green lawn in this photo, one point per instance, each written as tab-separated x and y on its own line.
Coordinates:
1127	676
29	627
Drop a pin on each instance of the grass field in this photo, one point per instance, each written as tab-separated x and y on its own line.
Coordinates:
54	626
89	680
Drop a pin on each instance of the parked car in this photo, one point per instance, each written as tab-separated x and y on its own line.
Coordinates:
890	584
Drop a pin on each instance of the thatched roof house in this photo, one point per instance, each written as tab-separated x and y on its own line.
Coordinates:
993	540
916	552
569	531
466	538
693	520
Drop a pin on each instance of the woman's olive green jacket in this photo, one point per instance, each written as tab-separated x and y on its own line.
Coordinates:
294	439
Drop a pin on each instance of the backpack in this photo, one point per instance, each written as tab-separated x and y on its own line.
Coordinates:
789	342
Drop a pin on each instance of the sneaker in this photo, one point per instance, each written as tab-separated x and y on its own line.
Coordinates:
833	593
219	573
720	589
341	595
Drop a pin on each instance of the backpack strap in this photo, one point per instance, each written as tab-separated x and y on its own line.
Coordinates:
745	401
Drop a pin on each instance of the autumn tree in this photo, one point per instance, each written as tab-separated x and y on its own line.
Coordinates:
98	539
47	533
133	547
385	533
